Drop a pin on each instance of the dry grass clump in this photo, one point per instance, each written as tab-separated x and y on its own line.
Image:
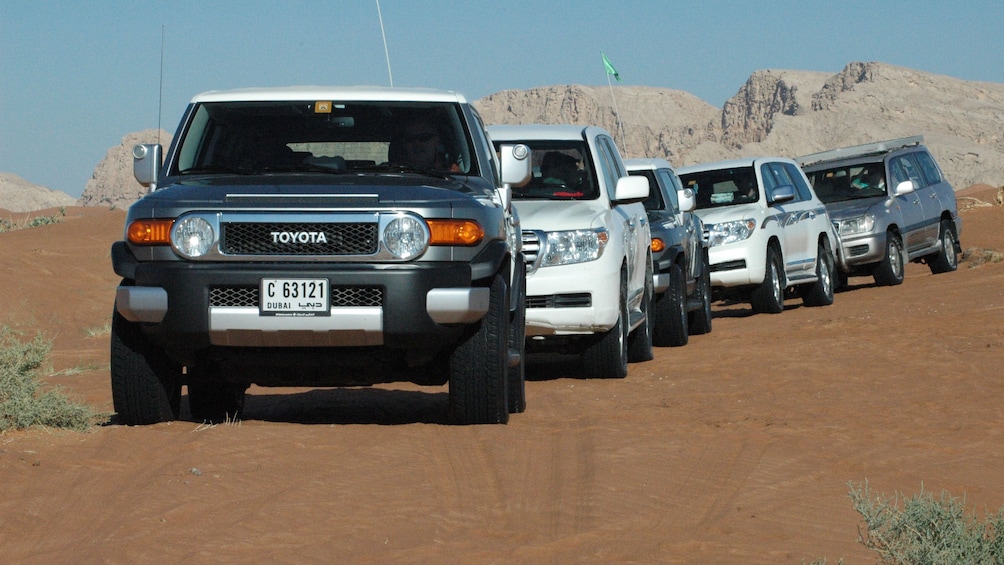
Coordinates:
32	222
23	403
925	529
977	256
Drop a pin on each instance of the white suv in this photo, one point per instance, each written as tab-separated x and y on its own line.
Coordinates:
767	231
586	240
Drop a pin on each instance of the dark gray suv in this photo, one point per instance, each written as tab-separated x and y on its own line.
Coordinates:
890	204
314	236
682	275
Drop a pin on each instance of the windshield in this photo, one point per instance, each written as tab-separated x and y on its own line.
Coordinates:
561	171
849	182
723	187
325	136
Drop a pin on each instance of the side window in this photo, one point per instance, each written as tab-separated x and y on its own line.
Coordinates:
905	168
775	175
804	193
608	165
672	185
769	182
486	146
654	200
930	169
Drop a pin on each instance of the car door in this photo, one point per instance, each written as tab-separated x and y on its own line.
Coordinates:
936	197
796	218
632	218
905	168
686	222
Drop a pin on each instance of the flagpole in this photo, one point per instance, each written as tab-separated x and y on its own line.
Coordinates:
618	125
385	51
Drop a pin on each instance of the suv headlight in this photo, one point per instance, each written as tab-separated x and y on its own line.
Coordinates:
574	246
192	237
856	225
730	232
406	237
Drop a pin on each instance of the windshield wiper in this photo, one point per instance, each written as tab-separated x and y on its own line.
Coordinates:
216	170
408	169
304	168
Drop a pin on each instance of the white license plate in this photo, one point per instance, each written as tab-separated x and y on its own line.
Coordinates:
295	297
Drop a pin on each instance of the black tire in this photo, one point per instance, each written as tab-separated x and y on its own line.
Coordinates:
947	259
640	340
820	293
699	321
671	312
606	354
516	380
890	271
479	366
768	297
842	280
213	400
146	387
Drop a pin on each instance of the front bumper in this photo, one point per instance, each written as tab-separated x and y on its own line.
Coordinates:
863	249
581	298
405	306
737	264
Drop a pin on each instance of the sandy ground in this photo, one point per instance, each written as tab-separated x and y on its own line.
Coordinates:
737	448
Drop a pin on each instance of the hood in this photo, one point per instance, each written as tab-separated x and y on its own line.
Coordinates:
312	191
730	213
851	208
557	215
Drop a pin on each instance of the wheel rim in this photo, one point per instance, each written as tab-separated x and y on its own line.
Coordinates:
824	275
895	258
775	283
949	242
706	294
683	309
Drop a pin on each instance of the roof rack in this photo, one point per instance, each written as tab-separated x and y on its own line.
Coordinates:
860	150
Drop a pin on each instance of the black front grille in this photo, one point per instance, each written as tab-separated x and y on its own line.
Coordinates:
858	250
341	296
245	296
577	300
531	248
240	238
729	266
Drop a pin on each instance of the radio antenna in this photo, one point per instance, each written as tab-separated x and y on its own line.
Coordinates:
160	94
385	51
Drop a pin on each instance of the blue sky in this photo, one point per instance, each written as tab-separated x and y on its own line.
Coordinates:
75	77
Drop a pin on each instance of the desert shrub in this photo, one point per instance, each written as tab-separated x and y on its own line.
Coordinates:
33	222
23	403
977	256
926	530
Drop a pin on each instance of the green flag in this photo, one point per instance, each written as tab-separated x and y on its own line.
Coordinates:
610	68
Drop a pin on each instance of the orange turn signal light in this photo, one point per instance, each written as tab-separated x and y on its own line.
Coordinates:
455	232
657	245
150	232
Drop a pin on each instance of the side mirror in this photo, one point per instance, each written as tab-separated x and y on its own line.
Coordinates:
905	187
783	193
630	189
516	164
687	200
146	161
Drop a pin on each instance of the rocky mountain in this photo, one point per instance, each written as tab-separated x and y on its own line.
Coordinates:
113	183
788	113
19	195
776	112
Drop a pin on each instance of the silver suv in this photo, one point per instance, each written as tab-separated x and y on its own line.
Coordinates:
890	204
